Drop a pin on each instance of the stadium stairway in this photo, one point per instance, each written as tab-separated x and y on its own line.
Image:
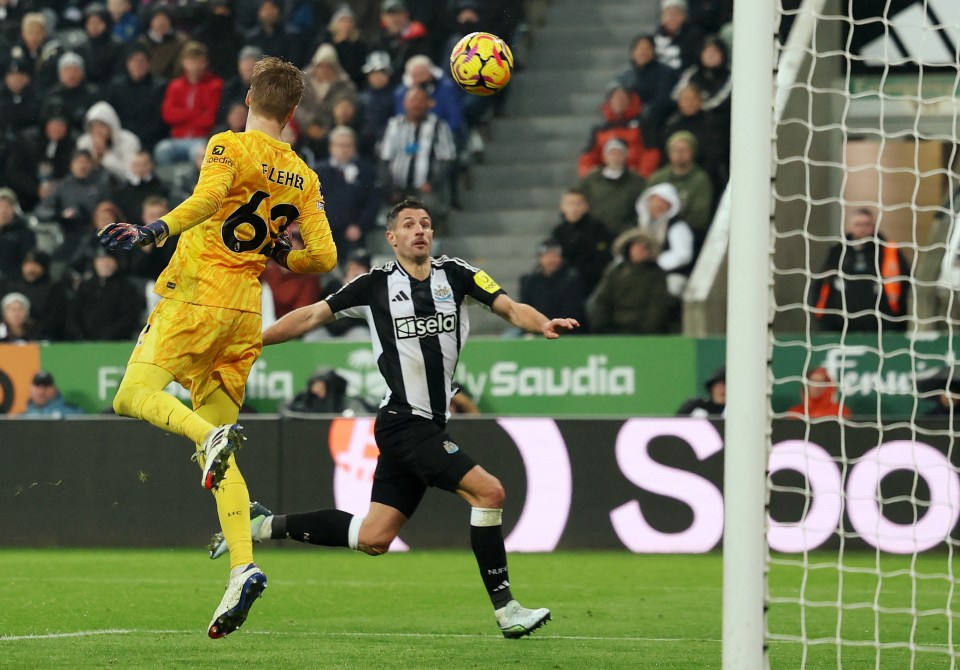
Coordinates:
512	201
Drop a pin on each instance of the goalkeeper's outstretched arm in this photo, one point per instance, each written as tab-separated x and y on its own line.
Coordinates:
299	321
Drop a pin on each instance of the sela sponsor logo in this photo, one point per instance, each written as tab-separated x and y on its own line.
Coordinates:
424	326
442	292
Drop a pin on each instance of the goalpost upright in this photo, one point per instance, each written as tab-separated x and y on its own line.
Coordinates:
748	310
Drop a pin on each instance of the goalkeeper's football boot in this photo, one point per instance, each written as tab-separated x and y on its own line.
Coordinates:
519	621
258	514
216	450
242	590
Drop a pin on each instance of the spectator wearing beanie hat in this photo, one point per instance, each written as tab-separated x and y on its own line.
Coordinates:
19	100
103	53
73	94
613	188
692	182
15	323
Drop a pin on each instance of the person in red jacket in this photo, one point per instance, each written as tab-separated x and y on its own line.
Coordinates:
818	398
189	106
622	121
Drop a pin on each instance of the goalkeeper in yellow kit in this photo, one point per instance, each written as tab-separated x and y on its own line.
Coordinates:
205	332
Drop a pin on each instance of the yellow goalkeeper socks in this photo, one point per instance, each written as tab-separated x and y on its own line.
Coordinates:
233	508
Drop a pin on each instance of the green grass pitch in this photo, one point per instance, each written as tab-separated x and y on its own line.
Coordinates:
335	609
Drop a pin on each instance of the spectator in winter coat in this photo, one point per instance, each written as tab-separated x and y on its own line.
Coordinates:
622	120
420	71
137	96
140	183
49	300
417	154
400	36
45	399
108	306
344	35
713	138
677	40
16	326
376	101
218	32
16	238
110	145
584	240
612	190
19	100
40	158
711	76
715	402
272	37
553	287
189	106
163	43
73	94
72	202
326	82
350	191
691	181
149	261
658	214
867	281
632	297
84	250
125	24
235	89
103	53
818	398
650	79
38	50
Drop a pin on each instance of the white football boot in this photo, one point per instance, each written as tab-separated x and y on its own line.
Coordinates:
518	621
216	449
242	590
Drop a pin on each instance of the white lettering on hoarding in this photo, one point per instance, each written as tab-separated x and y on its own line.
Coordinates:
507	378
549	484
703	498
822	515
108	381
864	502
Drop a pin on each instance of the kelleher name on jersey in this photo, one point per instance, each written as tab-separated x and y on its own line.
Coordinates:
282	177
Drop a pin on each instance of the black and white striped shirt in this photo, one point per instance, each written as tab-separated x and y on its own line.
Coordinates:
412	149
418	327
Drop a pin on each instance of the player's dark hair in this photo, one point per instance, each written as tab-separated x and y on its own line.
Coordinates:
575	191
406	203
275	88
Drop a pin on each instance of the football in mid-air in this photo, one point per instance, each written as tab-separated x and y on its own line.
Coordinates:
481	63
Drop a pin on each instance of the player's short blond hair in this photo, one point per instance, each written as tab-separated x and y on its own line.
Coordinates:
275	88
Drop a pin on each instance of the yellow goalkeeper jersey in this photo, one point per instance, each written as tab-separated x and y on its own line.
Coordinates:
251	187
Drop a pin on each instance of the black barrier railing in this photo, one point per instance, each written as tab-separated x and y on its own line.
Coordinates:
644	484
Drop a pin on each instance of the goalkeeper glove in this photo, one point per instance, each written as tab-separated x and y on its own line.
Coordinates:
126	236
279	249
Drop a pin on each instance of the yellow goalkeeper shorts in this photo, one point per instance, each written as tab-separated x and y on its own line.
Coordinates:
202	347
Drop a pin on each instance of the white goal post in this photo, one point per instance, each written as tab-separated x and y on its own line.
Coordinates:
854	111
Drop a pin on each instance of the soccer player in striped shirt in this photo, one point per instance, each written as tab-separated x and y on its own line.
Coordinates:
418	324
206	331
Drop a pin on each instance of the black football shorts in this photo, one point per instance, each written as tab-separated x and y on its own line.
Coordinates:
414	453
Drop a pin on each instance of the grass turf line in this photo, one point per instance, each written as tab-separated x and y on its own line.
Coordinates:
336	609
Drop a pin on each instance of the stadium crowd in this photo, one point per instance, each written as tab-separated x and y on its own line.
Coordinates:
105	111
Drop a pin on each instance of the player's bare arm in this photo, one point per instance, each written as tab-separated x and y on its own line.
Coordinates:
298	322
524	316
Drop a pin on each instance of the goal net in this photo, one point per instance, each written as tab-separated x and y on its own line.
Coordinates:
863	489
